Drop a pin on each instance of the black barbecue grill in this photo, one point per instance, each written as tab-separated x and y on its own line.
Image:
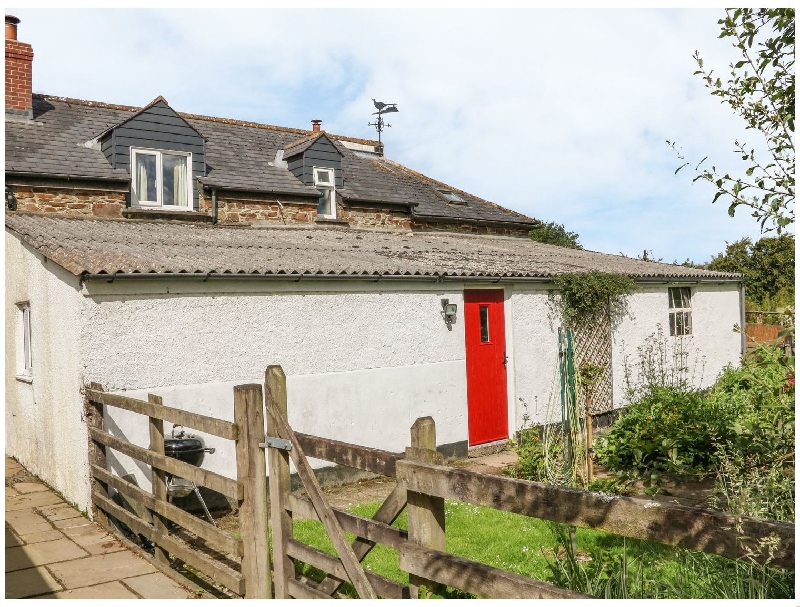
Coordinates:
190	449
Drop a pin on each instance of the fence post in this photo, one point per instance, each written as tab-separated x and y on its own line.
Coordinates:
280	483
251	471
97	455
425	512
159	477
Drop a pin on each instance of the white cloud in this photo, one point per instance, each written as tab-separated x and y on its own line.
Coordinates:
559	114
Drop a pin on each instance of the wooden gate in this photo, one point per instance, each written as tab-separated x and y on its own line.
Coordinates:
252	577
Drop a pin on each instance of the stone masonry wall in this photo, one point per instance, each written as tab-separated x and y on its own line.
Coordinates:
470	228
248	209
95	203
255	208
376	218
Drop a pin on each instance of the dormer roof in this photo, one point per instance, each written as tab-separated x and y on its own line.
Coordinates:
301	145
157	102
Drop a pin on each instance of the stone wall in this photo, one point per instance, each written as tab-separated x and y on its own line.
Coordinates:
62	201
374	218
246	208
470	228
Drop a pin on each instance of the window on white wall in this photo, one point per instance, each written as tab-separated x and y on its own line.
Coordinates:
680	311
24	350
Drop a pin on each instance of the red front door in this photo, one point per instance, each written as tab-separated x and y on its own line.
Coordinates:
487	398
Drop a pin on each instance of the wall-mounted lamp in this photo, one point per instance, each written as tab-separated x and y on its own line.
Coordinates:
11	202
449	313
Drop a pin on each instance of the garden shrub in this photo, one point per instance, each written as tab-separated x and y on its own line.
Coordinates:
742	428
755	469
530	464
668	432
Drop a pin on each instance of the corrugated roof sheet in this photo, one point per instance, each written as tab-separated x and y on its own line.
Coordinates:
95	246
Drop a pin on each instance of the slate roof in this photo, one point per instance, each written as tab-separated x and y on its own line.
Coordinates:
97	246
53	142
238	156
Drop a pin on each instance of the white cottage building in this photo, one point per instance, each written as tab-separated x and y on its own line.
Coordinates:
157	252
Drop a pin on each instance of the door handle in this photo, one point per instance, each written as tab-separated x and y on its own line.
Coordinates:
505	360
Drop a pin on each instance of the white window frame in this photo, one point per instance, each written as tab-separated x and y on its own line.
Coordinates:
326	185
24	344
158	203
686	313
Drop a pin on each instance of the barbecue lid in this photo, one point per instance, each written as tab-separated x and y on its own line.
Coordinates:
173	446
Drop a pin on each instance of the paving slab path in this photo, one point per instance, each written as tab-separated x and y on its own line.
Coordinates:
54	552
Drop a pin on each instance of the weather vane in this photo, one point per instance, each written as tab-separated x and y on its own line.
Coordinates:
379	124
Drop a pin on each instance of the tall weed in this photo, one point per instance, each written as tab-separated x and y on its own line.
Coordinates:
662	362
707	576
604	574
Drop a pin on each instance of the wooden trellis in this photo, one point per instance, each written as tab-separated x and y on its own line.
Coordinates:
592	344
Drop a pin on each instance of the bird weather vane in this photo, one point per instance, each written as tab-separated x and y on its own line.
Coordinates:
379	124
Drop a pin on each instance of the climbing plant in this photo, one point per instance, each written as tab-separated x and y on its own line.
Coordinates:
584	297
587	306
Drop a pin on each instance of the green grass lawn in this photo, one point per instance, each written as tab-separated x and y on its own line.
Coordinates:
500	539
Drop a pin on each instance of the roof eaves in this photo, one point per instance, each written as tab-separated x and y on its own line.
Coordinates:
68	177
301	191
438	276
489	222
368	200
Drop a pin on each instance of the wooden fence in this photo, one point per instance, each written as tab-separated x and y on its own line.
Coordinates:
422	485
252	579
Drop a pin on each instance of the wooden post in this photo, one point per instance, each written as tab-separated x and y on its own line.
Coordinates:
159	477
251	471
280	484
589	439
97	454
353	570
425	512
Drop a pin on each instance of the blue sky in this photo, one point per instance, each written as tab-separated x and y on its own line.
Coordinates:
561	114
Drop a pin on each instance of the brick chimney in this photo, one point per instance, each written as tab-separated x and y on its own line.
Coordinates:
315	125
19	73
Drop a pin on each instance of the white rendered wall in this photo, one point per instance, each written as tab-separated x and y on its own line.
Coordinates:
45	428
361	366
712	345
534	354
387	402
151	340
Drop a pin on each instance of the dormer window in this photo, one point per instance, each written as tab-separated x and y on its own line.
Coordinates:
324	181
451	197
161	179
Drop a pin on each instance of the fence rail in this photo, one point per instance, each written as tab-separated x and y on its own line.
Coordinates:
691	528
154	514
209	425
423	483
